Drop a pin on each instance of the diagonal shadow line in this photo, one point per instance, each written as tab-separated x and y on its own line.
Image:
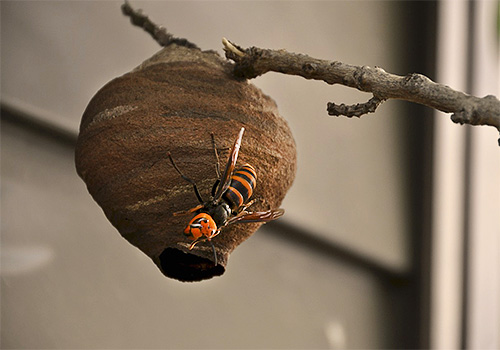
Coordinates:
281	228
27	121
338	253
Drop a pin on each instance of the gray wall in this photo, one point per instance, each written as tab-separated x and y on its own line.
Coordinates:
70	281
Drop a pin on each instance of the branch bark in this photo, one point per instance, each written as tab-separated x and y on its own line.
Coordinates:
251	62
466	109
159	33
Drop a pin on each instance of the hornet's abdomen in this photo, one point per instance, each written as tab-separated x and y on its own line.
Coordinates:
241	187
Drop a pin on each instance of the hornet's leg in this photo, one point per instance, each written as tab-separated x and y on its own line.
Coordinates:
211	243
187	179
215	253
217	164
245	206
190	211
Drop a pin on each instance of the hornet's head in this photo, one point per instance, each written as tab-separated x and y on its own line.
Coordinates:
201	226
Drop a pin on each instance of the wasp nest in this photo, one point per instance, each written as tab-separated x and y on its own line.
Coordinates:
172	103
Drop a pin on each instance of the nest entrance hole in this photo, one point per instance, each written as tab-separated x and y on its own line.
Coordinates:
188	267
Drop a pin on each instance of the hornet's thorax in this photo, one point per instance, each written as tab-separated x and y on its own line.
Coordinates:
230	199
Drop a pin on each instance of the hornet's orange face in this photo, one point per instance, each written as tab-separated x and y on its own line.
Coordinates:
201	225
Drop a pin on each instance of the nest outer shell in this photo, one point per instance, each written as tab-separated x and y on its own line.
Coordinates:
171	103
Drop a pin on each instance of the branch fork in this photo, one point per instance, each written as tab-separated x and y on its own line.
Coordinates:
465	109
252	62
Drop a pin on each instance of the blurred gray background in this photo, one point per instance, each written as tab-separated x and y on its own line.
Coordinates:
346	268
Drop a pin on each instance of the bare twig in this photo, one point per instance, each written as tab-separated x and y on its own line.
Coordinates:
356	110
465	109
159	33
252	62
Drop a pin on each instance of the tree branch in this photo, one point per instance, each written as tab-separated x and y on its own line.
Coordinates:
465	109
252	62
159	33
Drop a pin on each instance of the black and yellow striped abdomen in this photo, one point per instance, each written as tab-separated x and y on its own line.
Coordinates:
242	184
